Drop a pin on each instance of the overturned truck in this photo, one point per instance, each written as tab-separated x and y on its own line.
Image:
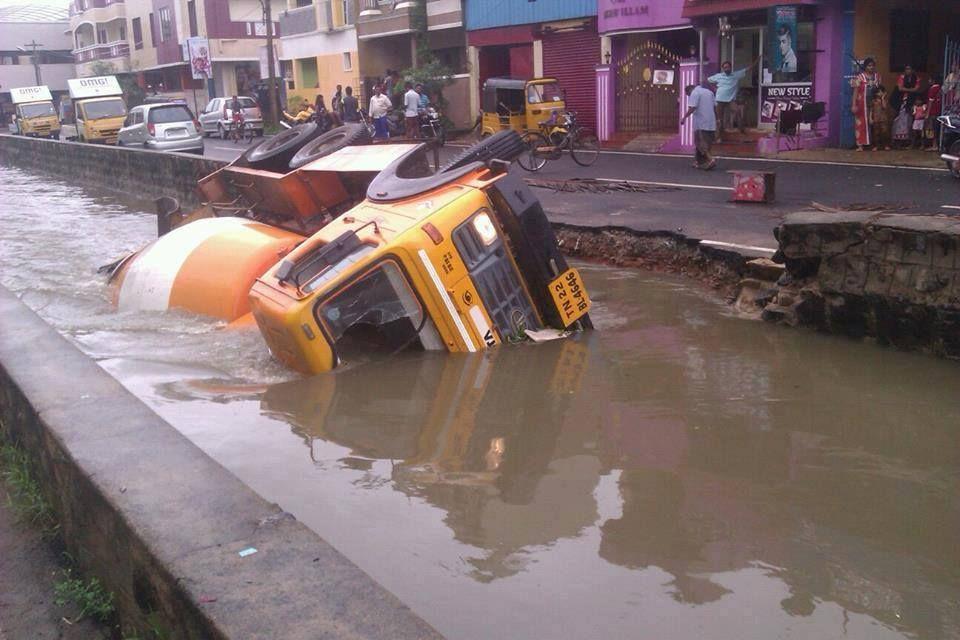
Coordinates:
361	249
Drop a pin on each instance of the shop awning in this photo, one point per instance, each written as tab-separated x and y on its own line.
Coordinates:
701	8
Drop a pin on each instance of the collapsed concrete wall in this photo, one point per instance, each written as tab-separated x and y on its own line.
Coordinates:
140	172
892	277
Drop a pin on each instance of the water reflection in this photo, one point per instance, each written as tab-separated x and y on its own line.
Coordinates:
732	451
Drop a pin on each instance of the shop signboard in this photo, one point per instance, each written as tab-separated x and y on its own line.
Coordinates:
627	15
198	52
783	39
775	98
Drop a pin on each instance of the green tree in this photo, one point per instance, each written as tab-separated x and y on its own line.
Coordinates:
133	93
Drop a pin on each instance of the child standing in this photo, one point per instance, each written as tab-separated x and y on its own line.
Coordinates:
919	121
880	119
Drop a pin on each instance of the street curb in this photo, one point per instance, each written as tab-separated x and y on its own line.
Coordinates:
178	540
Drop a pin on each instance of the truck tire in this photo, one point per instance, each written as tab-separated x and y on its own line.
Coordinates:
503	145
326	143
275	154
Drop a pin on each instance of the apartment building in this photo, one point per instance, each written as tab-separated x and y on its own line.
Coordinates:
318	47
386	31
148	38
20	27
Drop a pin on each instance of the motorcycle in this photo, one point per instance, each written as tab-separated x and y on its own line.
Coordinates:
950	141
431	128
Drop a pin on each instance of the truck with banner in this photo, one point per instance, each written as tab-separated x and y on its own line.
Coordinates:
34	114
96	110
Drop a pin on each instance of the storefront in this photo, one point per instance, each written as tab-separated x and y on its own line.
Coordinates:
645	42
797	55
566	50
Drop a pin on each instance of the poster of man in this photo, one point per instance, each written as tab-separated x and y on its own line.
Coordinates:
784	39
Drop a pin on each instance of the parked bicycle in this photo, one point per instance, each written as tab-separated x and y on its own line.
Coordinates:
554	137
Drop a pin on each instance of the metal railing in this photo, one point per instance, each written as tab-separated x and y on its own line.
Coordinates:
105	51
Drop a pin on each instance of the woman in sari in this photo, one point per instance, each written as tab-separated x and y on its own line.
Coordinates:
864	86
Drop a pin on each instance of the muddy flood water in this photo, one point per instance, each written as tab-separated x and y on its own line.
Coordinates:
678	473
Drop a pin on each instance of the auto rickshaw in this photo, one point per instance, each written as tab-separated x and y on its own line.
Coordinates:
521	105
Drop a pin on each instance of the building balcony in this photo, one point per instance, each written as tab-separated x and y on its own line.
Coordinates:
378	18
97	11
109	51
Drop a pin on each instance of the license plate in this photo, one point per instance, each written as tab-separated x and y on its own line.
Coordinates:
176	133
570	297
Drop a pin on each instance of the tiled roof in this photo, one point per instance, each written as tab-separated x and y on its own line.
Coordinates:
33	13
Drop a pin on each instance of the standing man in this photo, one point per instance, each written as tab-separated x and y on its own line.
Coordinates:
728	81
700	105
424	98
379	106
411	105
336	103
351	106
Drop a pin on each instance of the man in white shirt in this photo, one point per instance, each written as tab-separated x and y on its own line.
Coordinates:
411	103
379	107
701	105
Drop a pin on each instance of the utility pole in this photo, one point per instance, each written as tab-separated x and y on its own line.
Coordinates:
272	94
34	59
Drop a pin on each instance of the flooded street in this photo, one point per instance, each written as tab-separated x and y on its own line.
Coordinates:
678	473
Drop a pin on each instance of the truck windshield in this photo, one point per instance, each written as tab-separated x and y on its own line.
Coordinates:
104	109
37	110
377	313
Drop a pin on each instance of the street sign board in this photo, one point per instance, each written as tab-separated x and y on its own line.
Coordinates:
30	94
94	87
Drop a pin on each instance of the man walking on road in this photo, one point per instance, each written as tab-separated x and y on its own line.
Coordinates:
728	82
700	105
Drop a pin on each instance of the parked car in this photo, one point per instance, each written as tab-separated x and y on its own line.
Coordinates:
215	120
162	127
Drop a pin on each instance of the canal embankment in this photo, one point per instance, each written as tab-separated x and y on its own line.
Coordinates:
183	545
885	308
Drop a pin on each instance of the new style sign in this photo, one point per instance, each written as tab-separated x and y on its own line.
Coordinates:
776	98
625	15
30	94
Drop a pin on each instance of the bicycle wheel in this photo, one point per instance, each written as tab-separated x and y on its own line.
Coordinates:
533	158
584	149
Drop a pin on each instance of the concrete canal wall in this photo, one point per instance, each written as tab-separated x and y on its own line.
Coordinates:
892	277
138	172
163	525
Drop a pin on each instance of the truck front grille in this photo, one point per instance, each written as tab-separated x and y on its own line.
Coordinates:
496	280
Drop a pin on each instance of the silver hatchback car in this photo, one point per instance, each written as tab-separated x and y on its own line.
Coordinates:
162	127
216	117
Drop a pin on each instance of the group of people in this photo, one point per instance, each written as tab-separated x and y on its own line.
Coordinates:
903	118
711	111
414	99
344	107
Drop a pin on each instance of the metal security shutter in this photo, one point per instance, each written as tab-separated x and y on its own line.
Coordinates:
571	57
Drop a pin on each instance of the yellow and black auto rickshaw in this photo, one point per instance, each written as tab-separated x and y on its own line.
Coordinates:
521	105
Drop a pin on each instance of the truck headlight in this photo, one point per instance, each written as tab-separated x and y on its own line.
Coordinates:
484	227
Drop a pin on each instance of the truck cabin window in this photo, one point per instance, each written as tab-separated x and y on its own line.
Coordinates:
377	314
37	110
104	109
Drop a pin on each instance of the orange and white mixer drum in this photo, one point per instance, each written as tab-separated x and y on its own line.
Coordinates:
207	266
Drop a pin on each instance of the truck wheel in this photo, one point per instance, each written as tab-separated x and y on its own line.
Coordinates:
326	143
503	145
275	153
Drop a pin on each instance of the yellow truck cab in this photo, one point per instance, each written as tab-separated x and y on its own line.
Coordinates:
97	112
34	113
461	260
